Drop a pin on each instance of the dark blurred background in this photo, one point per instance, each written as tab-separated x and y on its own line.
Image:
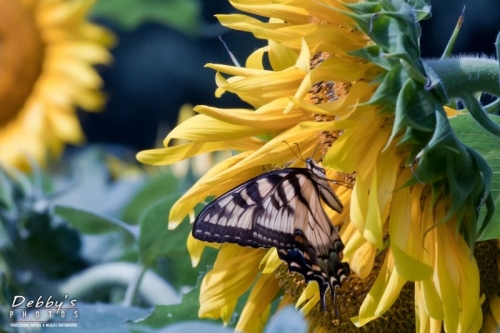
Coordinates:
164	44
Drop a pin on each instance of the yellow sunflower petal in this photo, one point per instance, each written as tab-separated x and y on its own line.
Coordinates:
456	271
281	57
256	310
233	273
360	254
270	117
271	261
271	9
170	155
492	321
310	296
383	293
195	249
408	266
53	73
206	129
255	59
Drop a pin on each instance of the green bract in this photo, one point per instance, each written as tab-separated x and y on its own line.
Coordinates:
415	91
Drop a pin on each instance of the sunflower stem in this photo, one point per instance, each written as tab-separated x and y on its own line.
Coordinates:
133	287
462	76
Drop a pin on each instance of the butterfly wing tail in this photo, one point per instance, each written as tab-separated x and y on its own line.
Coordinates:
302	259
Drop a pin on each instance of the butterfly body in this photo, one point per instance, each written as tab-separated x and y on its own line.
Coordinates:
282	209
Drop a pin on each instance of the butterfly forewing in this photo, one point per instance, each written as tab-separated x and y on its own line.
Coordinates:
281	209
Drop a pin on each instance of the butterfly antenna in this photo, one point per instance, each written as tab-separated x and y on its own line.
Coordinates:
298	149
335	305
293	151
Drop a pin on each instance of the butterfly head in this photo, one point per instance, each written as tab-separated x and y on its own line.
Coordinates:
315	168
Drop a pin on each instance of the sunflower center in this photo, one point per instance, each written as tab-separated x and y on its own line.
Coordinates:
21	57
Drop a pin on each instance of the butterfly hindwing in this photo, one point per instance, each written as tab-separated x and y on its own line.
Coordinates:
282	209
327	272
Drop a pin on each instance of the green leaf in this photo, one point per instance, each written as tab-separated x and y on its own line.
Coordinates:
157	186
6	191
177	269
188	310
480	115
183	15
364	8
374	55
414	108
497	44
388	91
155	239
378	28
91	187
422	9
166	248
168	314
196	327
101	318
92	223
487	145
20	180
443	137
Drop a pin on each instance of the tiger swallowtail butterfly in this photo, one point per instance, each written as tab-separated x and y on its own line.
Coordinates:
282	209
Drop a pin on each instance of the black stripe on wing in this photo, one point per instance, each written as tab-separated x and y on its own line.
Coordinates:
261	213
245	237
231	218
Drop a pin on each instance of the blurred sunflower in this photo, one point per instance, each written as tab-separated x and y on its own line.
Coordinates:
48	50
348	77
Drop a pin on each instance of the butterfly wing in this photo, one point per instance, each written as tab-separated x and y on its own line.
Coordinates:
238	215
279	209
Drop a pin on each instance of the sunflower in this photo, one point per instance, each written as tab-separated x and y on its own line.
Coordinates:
48	50
348	78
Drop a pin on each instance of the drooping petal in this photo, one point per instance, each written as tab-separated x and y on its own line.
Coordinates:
256	310
233	273
383	293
